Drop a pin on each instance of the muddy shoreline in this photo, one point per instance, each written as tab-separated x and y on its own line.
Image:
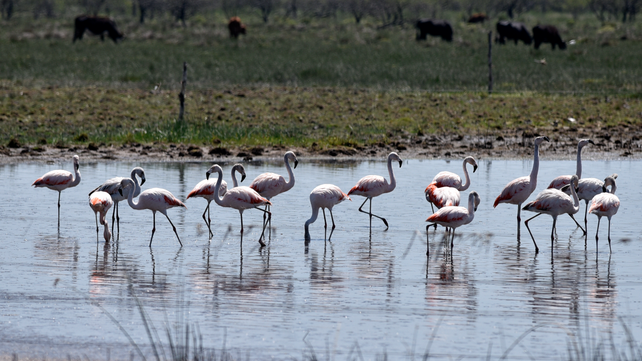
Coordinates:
424	147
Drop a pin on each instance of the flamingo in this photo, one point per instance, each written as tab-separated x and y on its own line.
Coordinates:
449	179
239	198
205	189
156	200
554	202
324	196
518	190
270	185
605	205
112	185
373	185
100	202
454	216
563	180
59	180
587	189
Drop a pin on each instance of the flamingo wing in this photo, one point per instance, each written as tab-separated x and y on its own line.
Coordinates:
55	179
444	196
605	204
515	192
268	184
560	182
550	201
370	186
447	179
244	198
450	217
159	199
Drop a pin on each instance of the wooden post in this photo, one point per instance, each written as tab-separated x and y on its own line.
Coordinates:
490	62
181	96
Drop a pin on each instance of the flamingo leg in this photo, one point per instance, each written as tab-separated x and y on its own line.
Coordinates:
529	231
241	213
428	242
208	221
610	235
553	232
585	216
153	229
332	217
598	230
370	212
452	240
269	218
174	228
325	223
59	192
578	225
113	217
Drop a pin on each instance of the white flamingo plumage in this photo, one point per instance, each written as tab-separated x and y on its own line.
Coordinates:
449	179
59	180
372	186
270	185
605	204
454	216
554	202
518	190
442	196
206	188
324	196
240	198
156	200
101	202
587	189
563	180
112	186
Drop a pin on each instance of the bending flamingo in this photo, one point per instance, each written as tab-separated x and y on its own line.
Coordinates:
605	205
586	190
449	179
518	190
100	202
112	185
59	180
324	196
554	202
206	187
454	216
563	180
373	185
240	198
270	185
156	200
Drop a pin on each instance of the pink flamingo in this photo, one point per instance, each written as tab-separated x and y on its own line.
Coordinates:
563	180
454	216
324	196
206	187
156	200
59	180
605	205
587	189
112	185
100	202
518	190
554	202
240	198
373	185
442	196
449	179
270	185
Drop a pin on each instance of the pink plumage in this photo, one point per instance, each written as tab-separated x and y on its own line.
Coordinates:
270	185
605	205
324	196
563	180
100	202
59	180
454	216
442	196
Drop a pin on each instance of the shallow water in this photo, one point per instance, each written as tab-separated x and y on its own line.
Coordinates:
363	294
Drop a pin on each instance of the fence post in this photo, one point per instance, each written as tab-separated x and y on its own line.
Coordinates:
490	62
181	96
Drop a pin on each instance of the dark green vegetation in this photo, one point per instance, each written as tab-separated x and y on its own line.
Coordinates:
310	84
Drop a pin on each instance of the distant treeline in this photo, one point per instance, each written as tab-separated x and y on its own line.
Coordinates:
382	12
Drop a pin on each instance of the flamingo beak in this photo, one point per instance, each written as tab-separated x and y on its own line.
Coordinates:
120	190
242	177
296	162
142	181
400	163
207	175
474	168
592	142
604	190
546	139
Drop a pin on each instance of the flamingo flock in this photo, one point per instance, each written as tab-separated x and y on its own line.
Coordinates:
562	197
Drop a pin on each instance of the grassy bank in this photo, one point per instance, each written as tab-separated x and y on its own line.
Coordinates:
315	118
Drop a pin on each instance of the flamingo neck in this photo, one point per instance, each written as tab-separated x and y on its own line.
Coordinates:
471	205
77	177
467	179
290	183
613	188
533	176
217	197
107	232
234	181
136	184
578	170
393	181
130	198
576	199
315	214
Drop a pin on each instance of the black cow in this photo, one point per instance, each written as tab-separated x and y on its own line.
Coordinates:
547	34
96	25
512	31
432	27
236	27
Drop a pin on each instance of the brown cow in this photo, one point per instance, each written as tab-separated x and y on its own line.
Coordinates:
547	34
96	25
236	27
477	18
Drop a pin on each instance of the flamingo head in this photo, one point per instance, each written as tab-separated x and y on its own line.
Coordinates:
290	156
584	142
540	140
140	173
609	181
213	169
240	169
471	160
474	195
127	182
395	156
76	162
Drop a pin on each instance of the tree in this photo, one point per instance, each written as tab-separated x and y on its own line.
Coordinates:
7	8
266	7
358	8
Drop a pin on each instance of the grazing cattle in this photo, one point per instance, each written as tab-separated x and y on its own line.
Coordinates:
440	28
235	27
512	31
547	34
96	25
477	18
